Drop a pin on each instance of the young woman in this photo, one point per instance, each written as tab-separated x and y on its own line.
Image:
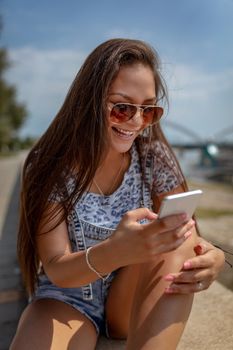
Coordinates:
94	256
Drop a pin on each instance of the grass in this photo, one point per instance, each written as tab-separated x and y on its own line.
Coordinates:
8	154
204	213
210	185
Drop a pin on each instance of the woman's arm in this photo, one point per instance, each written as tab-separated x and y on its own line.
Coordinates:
62	266
198	273
131	243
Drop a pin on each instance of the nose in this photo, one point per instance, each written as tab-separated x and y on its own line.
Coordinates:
138	117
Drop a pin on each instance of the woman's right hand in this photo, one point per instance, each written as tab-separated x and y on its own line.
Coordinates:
134	243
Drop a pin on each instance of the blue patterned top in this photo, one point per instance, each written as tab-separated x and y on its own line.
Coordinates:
107	211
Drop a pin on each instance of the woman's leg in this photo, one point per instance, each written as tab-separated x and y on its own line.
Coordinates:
138	308
48	324
157	319
120	299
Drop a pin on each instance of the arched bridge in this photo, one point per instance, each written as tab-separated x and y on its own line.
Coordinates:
216	154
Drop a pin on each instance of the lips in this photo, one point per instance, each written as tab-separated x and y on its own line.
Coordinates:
126	134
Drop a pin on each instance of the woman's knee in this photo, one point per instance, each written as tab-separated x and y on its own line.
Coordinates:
51	324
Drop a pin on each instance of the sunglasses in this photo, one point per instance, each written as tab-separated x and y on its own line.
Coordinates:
122	112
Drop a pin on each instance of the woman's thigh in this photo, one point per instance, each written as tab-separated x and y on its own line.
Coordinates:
120	299
53	325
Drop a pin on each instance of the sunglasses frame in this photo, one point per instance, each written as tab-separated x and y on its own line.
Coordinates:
139	107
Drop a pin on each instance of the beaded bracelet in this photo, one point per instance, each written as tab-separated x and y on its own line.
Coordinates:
104	278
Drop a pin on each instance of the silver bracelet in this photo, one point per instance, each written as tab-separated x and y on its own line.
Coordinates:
104	278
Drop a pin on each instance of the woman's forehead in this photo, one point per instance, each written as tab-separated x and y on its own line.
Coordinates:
134	81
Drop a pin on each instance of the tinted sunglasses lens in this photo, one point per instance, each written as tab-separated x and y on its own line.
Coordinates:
122	112
152	114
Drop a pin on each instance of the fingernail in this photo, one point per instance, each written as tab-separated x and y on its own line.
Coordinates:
187	264
198	249
187	234
184	216
168	290
169	278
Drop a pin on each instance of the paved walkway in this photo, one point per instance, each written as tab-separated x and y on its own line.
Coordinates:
12	300
210	325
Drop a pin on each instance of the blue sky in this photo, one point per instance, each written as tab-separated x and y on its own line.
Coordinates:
47	42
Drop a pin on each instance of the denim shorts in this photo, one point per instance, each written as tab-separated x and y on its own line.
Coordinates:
93	309
89	299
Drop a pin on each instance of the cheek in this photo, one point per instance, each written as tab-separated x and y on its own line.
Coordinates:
110	126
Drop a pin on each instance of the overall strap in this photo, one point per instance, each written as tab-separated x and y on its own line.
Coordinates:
77	232
146	162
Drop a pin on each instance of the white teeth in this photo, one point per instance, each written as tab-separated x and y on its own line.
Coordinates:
125	132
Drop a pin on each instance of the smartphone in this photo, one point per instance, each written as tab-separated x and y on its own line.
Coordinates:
185	202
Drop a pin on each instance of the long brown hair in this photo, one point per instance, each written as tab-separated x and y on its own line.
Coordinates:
75	142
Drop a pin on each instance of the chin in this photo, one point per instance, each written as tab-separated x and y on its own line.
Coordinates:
121	145
122	148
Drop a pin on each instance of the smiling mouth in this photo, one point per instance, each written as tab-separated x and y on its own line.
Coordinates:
126	134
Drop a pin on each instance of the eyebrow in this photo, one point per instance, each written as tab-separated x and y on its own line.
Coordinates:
130	98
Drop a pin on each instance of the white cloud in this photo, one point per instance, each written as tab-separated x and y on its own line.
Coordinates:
124	33
42	78
188	82
200	100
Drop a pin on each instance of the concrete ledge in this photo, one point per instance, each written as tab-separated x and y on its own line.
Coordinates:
210	326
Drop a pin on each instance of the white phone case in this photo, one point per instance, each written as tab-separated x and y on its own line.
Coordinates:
185	202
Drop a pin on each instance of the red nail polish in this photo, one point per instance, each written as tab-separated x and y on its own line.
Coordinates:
198	249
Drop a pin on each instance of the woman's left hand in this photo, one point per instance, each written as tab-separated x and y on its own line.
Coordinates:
199	272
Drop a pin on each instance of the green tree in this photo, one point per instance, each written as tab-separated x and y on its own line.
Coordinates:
12	113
